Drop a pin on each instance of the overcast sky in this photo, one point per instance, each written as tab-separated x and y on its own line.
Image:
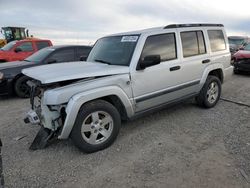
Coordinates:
84	21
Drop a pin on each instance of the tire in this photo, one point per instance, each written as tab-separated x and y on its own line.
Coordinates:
209	97
90	126
21	88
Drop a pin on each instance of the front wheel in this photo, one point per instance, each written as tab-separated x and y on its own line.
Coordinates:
210	93
21	87
97	126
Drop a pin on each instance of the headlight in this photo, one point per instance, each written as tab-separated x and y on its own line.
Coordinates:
1	75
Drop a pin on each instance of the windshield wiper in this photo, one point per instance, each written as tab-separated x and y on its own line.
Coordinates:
102	61
26	60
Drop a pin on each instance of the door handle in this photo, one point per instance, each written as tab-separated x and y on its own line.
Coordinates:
175	68
206	61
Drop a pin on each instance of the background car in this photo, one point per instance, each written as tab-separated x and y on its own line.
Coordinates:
19	50
241	60
13	81
237	42
244	53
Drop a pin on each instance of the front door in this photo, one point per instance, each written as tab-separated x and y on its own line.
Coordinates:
166	82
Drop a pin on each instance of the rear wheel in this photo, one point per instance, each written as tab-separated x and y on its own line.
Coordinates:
97	126
210	93
21	87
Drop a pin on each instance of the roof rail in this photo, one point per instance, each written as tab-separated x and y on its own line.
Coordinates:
192	25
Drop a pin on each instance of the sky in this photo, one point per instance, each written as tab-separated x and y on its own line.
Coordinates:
84	21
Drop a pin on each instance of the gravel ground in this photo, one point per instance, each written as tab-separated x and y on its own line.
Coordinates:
183	146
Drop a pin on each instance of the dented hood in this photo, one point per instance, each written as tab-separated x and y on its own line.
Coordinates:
73	70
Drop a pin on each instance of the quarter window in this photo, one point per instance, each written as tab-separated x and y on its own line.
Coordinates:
64	55
42	44
193	43
163	45
26	47
217	40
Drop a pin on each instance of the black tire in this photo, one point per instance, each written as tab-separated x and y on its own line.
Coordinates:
202	99
21	88
85	111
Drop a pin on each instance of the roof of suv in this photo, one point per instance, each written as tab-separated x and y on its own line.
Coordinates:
171	26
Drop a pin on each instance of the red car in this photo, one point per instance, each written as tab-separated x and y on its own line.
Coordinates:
20	50
243	53
241	60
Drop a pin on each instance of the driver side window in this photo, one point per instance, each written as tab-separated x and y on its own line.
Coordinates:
163	45
26	47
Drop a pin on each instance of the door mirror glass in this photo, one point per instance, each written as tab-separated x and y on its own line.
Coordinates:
149	61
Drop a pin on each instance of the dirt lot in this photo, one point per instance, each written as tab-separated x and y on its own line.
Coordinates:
184	146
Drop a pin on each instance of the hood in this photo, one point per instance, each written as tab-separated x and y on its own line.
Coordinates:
242	54
73	70
14	64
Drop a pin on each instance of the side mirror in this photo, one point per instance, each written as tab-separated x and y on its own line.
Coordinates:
83	58
241	48
17	49
50	61
149	61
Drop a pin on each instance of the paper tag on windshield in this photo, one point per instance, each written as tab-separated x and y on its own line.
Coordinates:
129	38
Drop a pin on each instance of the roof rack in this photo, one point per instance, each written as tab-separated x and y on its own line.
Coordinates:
192	25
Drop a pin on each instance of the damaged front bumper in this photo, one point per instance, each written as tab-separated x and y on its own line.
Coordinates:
46	116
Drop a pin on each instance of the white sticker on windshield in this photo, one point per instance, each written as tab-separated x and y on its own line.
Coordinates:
129	38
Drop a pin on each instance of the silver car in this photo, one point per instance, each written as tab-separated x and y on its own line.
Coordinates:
126	75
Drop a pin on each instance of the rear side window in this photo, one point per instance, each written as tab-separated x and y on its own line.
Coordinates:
64	55
42	44
193	43
217	40
82	52
26	47
163	45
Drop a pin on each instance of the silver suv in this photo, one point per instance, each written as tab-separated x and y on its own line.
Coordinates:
126	75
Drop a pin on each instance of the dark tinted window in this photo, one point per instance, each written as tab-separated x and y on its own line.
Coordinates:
163	45
26	47
64	55
217	41
192	43
82	52
41	44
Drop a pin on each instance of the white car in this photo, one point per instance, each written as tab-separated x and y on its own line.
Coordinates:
126	75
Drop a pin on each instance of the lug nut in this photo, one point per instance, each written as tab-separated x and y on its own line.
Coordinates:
100	129
92	127
95	131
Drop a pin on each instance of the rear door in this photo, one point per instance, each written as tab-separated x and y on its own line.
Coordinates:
195	55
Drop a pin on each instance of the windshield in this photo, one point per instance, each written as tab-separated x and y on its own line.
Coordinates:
8	46
247	47
40	55
236	41
115	50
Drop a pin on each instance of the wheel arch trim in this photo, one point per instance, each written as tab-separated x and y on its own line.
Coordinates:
80	99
